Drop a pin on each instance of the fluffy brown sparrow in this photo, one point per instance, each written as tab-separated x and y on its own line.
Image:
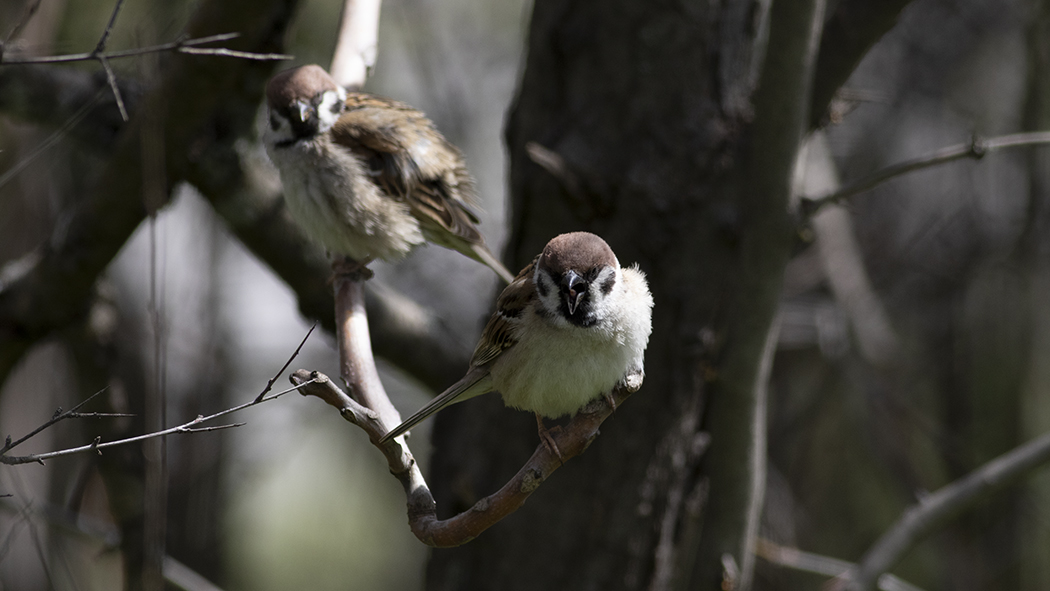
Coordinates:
571	325
368	177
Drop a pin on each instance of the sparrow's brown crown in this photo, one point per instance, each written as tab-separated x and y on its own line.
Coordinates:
302	83
578	251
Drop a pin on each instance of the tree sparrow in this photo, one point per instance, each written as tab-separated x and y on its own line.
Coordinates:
571	325
366	176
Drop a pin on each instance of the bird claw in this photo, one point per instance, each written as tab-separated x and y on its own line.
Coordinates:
346	267
633	381
547	439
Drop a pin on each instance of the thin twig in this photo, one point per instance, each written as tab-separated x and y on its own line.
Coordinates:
181	46
187	427
99	54
100	47
215	428
223	52
295	354
58	416
111	78
975	149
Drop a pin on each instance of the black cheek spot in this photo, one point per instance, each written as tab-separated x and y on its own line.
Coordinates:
608	284
274	124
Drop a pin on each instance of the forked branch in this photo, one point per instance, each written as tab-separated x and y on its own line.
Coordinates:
572	440
192	426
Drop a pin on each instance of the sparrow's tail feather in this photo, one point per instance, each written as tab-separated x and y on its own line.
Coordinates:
476	382
484	255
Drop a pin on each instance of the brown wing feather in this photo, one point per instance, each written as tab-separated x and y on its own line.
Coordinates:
501	330
440	192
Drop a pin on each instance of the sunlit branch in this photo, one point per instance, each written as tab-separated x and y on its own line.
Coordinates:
188	46
356	48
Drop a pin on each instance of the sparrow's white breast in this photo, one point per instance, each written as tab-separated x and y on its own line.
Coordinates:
556	370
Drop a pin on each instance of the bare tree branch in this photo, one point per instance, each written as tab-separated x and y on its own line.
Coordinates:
189	427
357	46
186	46
58	416
976	149
356	364
937	509
270	383
799	560
572	440
100	49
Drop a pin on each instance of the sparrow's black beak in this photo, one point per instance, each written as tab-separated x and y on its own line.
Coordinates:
575	287
304	111
304	118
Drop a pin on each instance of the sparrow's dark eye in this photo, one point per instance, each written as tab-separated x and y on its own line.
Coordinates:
274	123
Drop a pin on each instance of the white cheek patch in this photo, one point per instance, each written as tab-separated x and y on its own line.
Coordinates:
330	109
600	290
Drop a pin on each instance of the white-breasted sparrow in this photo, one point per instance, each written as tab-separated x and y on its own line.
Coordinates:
368	177
571	325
